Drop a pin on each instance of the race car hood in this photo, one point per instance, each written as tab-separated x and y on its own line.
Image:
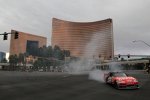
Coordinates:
125	78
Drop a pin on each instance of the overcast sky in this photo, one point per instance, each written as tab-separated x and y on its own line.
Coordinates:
131	19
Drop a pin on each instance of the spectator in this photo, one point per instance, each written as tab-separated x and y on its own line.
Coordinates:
148	69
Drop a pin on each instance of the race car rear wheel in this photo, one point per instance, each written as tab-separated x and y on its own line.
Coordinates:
106	80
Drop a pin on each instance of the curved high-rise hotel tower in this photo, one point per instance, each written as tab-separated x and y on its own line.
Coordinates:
84	38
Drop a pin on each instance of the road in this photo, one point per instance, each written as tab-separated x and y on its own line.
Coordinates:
63	86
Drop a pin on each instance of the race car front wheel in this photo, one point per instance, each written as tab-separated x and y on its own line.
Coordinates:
116	85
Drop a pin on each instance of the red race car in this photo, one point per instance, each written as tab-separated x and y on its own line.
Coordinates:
121	80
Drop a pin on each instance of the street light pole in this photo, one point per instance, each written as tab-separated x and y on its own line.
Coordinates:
142	42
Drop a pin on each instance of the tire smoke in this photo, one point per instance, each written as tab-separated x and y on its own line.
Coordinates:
97	75
87	61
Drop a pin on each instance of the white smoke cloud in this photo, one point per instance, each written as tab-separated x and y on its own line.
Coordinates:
97	75
86	62
114	66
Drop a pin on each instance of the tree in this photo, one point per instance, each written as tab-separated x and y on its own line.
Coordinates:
51	56
49	51
21	58
13	60
41	62
44	51
40	52
58	53
66	53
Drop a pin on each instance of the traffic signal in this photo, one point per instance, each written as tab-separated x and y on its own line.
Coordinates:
119	56
16	35
99	56
5	36
128	55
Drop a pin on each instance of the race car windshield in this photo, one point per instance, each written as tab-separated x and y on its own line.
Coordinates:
120	75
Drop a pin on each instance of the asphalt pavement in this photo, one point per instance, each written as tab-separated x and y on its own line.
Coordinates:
63	86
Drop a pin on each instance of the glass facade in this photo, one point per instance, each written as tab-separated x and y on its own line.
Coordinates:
32	47
2	55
